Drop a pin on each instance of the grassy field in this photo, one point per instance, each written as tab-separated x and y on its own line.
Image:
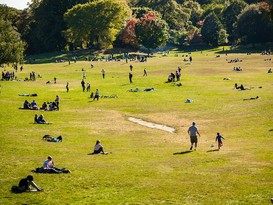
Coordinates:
146	166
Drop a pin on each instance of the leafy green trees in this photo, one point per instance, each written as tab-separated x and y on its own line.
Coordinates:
11	45
211	30
254	24
97	22
151	31
230	15
47	24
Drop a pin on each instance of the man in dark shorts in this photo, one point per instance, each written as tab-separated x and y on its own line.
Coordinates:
193	131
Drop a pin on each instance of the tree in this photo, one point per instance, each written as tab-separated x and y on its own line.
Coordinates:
128	34
97	22
230	15
210	30
151	31
47	24
11	46
254	24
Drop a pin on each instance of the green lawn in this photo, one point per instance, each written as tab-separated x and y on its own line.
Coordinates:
146	166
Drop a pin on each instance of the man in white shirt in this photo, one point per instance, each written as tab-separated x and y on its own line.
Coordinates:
193	131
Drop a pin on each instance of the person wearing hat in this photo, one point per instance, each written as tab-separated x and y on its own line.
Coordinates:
193	131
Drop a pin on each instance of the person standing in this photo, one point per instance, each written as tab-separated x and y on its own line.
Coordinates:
57	101
193	131
130	77
219	140
103	73
83	85
67	87
145	72
97	95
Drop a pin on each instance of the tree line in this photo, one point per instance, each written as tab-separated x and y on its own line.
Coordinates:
55	25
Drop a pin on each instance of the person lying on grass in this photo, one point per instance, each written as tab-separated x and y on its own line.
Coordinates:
25	185
98	149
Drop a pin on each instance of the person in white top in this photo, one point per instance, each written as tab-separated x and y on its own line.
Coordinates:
193	131
98	149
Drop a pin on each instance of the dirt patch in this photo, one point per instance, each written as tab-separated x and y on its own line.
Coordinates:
152	125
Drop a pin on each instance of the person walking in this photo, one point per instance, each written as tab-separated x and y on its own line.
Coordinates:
130	77
145	72
67	87
103	73
193	131
219	140
83	85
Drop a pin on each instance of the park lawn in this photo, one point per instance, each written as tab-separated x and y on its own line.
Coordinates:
146	166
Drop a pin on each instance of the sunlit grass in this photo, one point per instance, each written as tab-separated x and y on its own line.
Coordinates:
147	166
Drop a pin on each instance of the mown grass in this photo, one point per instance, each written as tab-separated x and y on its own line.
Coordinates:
146	166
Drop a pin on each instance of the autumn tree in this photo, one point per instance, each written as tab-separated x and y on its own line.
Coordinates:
151	31
128	34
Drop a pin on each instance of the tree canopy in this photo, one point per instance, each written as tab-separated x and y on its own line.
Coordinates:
11	45
97	22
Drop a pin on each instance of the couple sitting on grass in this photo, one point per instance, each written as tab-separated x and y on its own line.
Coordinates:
48	167
40	119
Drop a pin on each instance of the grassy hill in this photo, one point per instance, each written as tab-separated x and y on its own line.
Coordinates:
146	166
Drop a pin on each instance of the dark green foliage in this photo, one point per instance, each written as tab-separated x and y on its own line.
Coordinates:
210	30
47	25
254	24
152	31
11	45
230	15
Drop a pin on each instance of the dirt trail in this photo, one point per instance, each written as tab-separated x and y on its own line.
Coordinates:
152	125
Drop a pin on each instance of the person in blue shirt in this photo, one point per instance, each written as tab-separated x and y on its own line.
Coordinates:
219	140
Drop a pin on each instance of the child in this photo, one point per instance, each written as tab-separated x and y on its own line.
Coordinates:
219	139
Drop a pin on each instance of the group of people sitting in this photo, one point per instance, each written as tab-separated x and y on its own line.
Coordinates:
28	184
47	106
235	60
237	69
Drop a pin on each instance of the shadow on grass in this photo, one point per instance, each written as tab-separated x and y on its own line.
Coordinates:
213	150
185	152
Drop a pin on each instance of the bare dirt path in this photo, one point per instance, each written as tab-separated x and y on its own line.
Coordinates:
152	125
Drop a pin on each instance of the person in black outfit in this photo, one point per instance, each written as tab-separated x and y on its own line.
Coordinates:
130	77
83	85
26	183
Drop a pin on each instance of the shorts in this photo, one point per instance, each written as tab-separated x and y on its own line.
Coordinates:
193	139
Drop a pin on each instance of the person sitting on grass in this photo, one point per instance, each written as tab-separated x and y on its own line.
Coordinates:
44	106
48	167
98	149
25	185
33	105
26	105
40	119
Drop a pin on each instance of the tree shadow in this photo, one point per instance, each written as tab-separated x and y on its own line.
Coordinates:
185	152
213	150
